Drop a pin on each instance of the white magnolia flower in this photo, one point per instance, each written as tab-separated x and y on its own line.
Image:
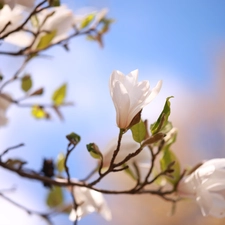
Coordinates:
130	96
81	16
12	16
4	104
90	201
59	20
207	185
25	3
128	145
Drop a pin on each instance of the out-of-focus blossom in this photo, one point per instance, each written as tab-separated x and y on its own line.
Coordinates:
10	19
130	96
128	145
89	201
25	3
57	19
207	185
96	16
4	104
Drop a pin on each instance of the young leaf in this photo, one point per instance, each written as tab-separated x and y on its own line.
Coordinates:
94	151
54	3
26	83
55	197
163	118
87	20
73	138
60	162
166	160
59	95
138	131
39	113
46	40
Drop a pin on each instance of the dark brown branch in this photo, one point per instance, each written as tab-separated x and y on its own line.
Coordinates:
36	10
75	205
11	148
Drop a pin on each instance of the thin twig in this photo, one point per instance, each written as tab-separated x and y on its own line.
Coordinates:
11	148
44	216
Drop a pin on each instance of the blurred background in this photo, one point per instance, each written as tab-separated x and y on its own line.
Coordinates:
180	42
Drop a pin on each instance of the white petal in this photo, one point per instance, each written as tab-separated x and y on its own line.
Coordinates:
122	104
154	91
20	38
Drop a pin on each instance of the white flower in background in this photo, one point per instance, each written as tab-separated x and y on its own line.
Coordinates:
130	96
14	16
79	17
90	201
128	145
59	20
25	3
4	104
207	185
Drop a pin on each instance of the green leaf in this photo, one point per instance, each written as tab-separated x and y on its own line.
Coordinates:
94	150
163	118
59	95
138	131
60	162
55	197
166	160
39	113
106	24
73	138
46	40
87	20
26	83
1	5
54	3
129	172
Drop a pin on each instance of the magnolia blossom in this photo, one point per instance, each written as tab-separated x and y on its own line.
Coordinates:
12	17
98	16
90	201
59	20
207	185
130	96
128	145
4	104
25	3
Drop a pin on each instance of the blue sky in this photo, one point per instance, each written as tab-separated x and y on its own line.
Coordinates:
176	41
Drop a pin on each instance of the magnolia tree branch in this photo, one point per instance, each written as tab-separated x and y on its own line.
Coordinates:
75	205
45	216
14	77
36	10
